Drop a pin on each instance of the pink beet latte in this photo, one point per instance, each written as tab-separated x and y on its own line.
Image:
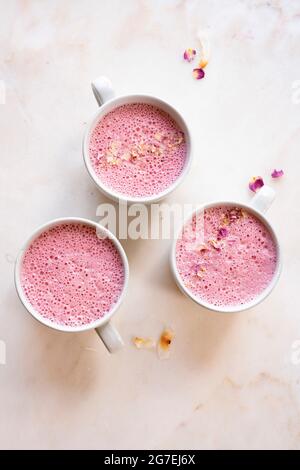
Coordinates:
70	276
137	150
233	261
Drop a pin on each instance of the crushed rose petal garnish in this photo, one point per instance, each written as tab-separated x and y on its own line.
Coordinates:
215	244
189	54
222	233
198	74
256	183
202	247
200	270
116	154
143	343
133	155
114	148
126	156
225	219
235	214
177	140
158	136
112	159
277	173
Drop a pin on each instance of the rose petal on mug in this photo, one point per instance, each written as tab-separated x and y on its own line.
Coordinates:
225	220
256	183
112	160
126	156
215	244
164	343
200	270
202	247
114	148
189	54
198	74
277	173
177	140
235	214
143	343
222	233
133	155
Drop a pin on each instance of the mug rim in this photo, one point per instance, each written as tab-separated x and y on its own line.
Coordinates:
17	272
115	195
230	309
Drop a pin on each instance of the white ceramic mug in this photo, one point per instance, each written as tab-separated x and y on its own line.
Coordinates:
107	101
258	206
103	326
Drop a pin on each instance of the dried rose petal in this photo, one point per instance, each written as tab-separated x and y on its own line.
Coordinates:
178	140
126	156
143	343
159	151
112	159
198	74
215	244
158	136
164	344
235	214
203	63
170	145
200	270
225	220
189	54
256	183
277	173
114	148
154	150
204	48
133	155
222	233
202	247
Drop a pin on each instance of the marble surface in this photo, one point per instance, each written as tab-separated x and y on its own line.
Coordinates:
232	381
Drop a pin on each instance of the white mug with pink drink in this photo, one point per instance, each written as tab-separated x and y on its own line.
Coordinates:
137	148
72	275
226	256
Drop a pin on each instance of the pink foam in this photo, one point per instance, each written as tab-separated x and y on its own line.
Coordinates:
70	276
128	126
240	267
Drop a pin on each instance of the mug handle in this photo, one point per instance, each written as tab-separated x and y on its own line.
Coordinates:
110	337
263	199
103	90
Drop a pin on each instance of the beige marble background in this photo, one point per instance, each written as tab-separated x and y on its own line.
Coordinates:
231	381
